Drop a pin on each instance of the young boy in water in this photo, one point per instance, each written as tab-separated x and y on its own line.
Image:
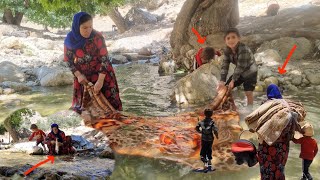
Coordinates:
38	134
246	70
309	149
206	127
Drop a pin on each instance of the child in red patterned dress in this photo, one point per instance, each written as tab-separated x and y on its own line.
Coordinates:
39	135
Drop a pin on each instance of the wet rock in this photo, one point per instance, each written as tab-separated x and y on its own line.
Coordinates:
145	52
296	77
291	87
107	153
137	16
10	72
17	87
258	88
271	80
264	72
268	57
32	83
313	77
285	44
119	59
54	76
167	66
8	171
197	86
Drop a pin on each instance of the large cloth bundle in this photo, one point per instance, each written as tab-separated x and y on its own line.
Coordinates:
97	107
270	119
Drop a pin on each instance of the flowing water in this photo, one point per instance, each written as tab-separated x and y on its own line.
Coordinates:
144	92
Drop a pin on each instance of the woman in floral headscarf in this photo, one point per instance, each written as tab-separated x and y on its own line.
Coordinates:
87	57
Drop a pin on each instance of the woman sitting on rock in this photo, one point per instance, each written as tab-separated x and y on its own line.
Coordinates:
57	142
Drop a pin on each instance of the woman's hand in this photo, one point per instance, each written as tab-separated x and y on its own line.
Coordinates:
52	142
231	84
81	78
97	86
220	85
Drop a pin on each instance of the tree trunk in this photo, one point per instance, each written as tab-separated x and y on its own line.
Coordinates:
209	17
117	18
14	134
10	19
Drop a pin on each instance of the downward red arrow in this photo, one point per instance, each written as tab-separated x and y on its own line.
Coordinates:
201	40
282	69
50	158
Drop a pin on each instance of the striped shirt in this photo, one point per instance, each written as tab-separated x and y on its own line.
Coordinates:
243	59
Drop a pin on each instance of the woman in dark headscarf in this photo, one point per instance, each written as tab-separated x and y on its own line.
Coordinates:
86	54
57	142
272	157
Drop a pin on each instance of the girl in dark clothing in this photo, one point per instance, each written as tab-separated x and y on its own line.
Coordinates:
206	127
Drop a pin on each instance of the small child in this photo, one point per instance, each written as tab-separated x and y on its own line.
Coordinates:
309	149
38	134
203	56
206	127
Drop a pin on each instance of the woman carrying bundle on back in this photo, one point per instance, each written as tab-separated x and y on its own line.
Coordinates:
275	122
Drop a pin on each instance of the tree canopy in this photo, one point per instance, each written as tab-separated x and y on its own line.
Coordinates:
55	13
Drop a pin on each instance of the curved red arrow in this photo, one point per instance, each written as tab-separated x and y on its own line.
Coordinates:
50	158
282	69
201	40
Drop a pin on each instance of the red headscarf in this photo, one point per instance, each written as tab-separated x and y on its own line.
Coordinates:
199	53
198	57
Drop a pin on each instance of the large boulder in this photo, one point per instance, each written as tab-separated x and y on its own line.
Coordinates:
296	77
137	16
10	72
199	86
313	77
54	76
285	44
268	57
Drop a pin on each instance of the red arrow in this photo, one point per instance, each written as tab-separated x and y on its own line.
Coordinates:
50	158
201	40
282	69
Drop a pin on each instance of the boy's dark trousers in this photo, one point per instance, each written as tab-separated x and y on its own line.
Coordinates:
206	150
305	167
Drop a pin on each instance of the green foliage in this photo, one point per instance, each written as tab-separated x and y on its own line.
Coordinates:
17	117
62	121
2	129
59	13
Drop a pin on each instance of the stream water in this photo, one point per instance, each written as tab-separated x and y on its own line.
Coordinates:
144	92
